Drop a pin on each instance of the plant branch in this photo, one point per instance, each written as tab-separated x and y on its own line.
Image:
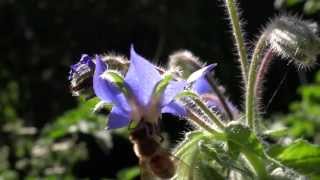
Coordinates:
236	28
192	117
257	164
250	91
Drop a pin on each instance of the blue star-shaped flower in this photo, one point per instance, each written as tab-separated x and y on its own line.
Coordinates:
141	104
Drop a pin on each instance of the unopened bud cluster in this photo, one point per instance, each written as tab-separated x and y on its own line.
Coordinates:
293	38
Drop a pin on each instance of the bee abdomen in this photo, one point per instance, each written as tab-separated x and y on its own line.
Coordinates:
162	165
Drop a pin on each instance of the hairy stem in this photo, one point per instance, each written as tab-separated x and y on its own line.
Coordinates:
212	116
193	118
236	28
250	91
221	98
266	60
203	107
257	164
182	148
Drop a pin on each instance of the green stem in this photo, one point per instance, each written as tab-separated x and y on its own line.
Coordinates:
236	28
182	148
257	164
265	63
250	91
212	116
203	107
192	117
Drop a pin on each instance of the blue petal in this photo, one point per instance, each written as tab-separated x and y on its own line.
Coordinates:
172	90
201	73
105	90
200	83
141	77
201	86
118	118
175	109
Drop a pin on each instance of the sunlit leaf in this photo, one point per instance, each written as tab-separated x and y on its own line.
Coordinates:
300	155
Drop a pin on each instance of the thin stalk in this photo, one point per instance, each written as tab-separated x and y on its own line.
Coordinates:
186	145
221	98
203	107
192	117
236	28
250	91
212	116
266	60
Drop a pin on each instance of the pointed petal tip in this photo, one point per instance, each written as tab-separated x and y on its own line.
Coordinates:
141	77
132	50
201	72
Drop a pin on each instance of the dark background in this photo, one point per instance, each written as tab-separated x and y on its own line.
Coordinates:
40	39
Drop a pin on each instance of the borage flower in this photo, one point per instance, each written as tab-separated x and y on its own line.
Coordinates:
146	93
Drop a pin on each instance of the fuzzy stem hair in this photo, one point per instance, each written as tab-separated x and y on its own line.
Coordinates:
238	35
250	91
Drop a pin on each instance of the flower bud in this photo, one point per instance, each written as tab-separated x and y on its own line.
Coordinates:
80	77
185	62
293	38
117	62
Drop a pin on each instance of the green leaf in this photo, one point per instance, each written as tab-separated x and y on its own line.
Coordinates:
311	6
301	156
83	113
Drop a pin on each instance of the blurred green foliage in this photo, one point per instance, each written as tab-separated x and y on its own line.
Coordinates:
303	121
309	6
30	153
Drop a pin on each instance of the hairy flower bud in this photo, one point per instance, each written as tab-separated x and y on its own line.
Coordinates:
118	62
184	61
80	77
293	38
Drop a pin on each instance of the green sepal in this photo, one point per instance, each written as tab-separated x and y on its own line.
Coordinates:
161	86
116	78
189	94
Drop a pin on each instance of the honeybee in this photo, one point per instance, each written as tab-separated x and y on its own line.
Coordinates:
155	161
